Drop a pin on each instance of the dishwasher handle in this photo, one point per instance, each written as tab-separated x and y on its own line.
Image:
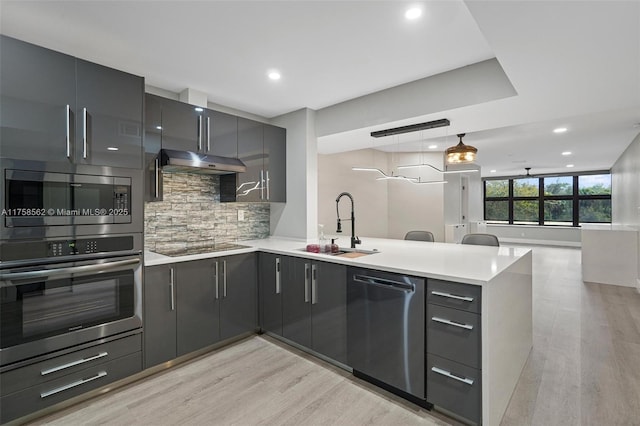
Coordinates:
383	282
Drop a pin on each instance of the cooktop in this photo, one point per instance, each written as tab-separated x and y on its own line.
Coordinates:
201	249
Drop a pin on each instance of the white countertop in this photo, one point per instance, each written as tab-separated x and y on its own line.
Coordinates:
454	262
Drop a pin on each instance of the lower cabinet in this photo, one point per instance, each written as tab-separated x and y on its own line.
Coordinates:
191	305
305	302
454	348
36	386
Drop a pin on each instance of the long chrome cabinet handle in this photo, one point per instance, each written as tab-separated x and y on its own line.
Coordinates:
68	138
172	289
73	363
268	192
452	296
262	184
314	284
84	132
278	275
157	177
78	270
224	278
306	282
72	385
453	323
208	134
199	133
452	376
217	282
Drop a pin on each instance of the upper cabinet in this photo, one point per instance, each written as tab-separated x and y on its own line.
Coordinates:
57	108
152	146
262	148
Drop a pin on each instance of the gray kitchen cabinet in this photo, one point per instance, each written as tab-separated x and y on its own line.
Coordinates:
454	348
314	306
270	293
57	108
198	304
159	310
222	134
238	295
182	126
262	148
152	146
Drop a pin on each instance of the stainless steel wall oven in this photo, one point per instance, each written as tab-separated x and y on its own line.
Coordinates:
59	293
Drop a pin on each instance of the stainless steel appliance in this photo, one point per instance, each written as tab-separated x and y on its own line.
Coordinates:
59	293
386	331
43	200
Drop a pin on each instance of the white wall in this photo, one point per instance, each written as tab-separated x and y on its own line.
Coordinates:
297	217
370	195
625	190
384	208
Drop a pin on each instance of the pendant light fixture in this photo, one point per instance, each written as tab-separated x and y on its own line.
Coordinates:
461	153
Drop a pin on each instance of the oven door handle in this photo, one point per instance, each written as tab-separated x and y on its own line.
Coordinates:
118	265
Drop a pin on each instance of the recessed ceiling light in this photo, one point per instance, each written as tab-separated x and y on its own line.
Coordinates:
560	130
198	109
493	171
413	13
566	153
433	146
112	148
274	75
569	165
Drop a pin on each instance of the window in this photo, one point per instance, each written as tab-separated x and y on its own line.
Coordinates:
568	200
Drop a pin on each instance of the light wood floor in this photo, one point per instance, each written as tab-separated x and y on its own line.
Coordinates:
584	369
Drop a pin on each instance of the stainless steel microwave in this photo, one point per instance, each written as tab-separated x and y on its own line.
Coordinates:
43	203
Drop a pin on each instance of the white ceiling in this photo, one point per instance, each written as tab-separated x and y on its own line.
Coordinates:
572	63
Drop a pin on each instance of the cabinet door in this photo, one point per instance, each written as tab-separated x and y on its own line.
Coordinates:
198	293
296	300
249	185
238	311
37	100
159	315
329	310
222	134
152	145
270	293
275	163
108	116
182	126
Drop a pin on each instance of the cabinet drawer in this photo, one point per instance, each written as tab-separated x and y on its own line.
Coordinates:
43	395
454	295
454	387
54	368
454	334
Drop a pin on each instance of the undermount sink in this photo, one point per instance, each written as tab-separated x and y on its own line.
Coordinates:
346	252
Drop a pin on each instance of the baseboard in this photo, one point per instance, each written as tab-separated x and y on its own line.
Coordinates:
540	242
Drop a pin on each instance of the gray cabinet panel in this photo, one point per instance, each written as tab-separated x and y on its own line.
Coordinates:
113	121
198	305
454	295
454	334
36	86
296	300
159	315
329	310
182	126
275	163
238	311
454	387
152	146
52	392
270	293
251	152
222	134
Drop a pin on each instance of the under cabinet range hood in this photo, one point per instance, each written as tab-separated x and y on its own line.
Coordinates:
174	161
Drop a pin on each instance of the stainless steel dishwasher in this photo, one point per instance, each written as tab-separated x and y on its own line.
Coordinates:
386	331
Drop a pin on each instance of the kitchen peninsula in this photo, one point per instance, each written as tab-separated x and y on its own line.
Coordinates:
500	276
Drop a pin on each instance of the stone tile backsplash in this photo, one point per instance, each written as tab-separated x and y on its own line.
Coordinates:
191	215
